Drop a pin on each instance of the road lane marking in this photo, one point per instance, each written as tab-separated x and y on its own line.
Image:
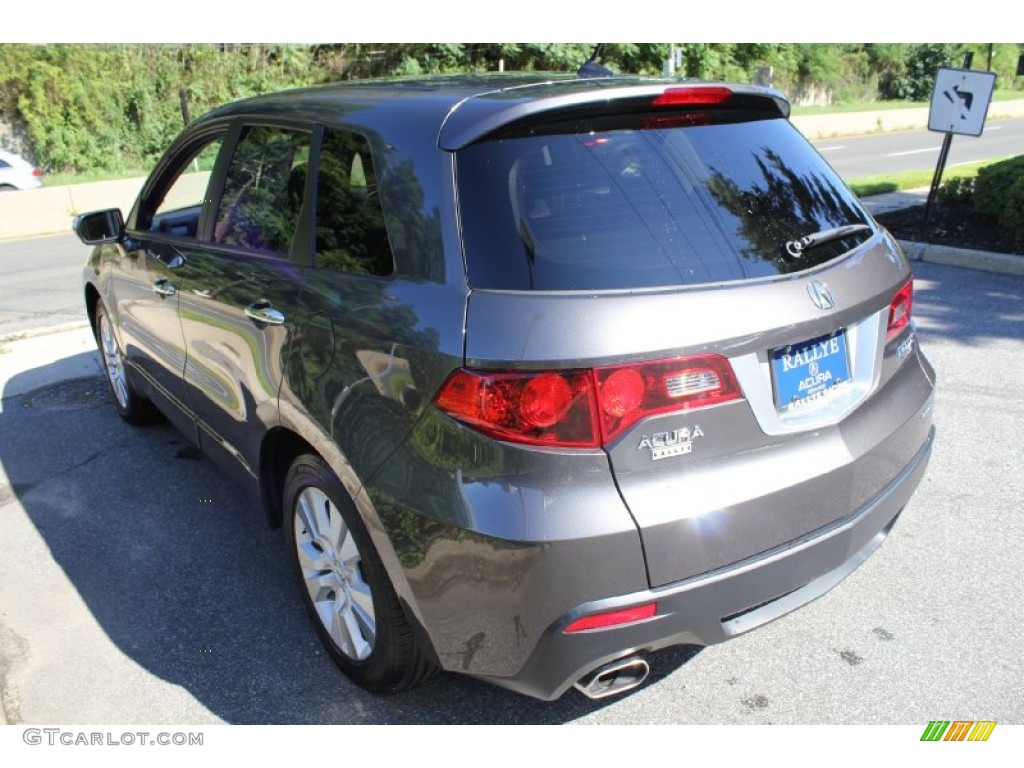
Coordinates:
913	152
829	149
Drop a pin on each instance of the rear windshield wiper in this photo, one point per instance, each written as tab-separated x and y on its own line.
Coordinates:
795	248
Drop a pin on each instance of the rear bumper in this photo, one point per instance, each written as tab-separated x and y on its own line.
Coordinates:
722	604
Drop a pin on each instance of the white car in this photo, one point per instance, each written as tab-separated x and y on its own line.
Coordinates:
17	173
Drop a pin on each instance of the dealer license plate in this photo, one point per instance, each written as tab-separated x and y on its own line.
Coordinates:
809	369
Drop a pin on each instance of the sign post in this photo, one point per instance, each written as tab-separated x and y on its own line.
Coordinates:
959	105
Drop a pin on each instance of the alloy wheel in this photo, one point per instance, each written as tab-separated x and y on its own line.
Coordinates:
114	362
332	571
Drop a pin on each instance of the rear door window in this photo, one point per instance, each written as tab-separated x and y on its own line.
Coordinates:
633	207
264	190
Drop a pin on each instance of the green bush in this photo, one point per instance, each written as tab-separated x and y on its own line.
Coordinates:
908	73
87	107
959	191
999	192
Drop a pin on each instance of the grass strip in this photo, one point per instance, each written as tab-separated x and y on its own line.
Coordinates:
878	184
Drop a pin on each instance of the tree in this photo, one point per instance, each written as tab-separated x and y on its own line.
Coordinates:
911	74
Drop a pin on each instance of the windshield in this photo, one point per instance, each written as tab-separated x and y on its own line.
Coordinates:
644	206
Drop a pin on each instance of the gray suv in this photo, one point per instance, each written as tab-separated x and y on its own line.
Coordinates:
537	374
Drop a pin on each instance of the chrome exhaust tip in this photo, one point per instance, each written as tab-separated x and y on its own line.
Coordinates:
613	678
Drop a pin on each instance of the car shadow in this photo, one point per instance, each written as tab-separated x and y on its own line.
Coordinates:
177	568
987	307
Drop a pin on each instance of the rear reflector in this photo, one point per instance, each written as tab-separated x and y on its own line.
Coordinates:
583	408
692	96
613	618
899	310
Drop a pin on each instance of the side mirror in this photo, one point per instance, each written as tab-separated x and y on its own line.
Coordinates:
100	227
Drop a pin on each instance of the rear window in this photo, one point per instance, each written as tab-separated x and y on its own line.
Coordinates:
636	207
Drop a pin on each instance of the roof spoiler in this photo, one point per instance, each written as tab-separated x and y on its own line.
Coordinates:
482	115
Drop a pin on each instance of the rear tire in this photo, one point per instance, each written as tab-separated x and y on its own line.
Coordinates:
131	406
344	585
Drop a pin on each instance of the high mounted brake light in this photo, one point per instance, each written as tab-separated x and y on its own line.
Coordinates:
583	408
692	96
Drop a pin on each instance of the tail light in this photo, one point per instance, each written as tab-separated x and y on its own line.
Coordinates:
583	408
37	173
899	310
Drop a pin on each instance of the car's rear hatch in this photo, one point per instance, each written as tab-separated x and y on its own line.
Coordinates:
653	253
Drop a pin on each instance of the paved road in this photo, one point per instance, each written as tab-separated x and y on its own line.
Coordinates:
127	596
41	282
858	156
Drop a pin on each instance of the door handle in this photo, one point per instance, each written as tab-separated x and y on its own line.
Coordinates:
171	261
164	287
262	312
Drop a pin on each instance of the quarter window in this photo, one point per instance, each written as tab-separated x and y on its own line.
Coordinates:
350	231
175	208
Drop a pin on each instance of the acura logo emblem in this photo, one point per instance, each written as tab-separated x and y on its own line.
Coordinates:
820	295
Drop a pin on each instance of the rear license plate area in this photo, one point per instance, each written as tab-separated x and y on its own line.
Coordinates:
810	369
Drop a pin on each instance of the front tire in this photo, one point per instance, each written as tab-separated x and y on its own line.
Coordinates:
131	406
345	588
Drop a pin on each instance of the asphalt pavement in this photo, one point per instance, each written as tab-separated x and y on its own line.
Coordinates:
41	285
874	154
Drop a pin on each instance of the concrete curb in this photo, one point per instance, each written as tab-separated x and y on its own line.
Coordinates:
986	261
895	201
45	330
